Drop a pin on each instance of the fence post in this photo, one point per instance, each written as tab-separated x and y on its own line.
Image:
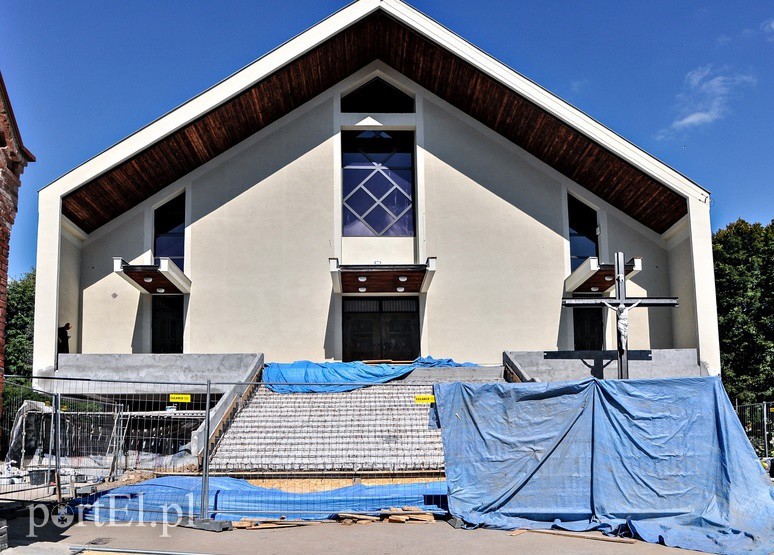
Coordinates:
58	446
205	501
765	430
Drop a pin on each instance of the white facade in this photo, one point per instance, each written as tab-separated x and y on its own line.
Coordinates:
264	218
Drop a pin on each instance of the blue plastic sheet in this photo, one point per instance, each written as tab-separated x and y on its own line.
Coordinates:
666	460
304	376
168	498
430	362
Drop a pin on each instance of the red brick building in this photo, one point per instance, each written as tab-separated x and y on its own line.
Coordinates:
14	157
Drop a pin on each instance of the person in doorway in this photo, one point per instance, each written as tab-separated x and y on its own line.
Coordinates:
63	343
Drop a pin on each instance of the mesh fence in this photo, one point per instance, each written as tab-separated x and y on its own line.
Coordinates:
261	454
758	421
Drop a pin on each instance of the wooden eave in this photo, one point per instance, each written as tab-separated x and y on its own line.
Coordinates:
377	36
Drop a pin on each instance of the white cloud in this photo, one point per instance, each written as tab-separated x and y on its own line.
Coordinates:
768	29
579	85
722	40
705	98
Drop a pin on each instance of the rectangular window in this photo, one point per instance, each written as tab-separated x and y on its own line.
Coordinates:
378	183
169	231
583	232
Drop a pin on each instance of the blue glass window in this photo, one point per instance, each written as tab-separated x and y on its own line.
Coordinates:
378	183
169	231
583	232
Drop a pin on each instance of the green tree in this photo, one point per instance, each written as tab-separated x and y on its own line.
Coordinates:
19	324
744	277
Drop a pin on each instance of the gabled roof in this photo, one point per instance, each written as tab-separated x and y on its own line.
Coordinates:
422	50
5	106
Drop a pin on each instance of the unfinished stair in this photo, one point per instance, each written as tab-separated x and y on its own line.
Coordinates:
381	428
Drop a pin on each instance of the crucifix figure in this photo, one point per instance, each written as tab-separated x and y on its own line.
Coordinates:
621	304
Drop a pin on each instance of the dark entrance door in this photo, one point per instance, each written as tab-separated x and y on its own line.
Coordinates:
381	329
587	323
167	324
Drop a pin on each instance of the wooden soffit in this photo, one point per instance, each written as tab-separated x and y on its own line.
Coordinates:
164	278
382	278
377	37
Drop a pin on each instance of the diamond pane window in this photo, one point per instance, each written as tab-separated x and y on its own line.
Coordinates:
378	183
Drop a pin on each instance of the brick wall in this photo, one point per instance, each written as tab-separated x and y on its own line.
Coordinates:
12	163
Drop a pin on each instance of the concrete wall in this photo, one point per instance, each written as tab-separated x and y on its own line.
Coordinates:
263	221
70	290
167	369
115	317
684	328
495	223
261	236
579	365
650	328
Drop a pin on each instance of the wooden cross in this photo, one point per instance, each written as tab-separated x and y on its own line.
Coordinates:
621	304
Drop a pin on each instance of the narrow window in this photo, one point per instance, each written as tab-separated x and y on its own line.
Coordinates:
376	96
378	187
169	231
583	232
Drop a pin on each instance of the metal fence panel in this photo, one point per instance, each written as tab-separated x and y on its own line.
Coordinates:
758	422
92	435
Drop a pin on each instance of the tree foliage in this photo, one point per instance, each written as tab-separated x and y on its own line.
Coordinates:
744	278
19	324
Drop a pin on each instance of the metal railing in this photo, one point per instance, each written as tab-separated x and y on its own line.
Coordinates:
758	422
297	453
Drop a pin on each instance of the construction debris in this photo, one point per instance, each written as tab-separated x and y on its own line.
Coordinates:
411	515
252	524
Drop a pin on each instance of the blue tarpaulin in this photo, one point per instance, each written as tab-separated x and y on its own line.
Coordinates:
304	376
666	460
166	499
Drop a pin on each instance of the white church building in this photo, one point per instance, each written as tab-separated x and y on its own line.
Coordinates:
377	188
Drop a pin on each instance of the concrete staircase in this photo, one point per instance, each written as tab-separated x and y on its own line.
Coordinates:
374	429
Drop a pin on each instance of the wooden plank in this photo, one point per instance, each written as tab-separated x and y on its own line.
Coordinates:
401	512
422	518
517	532
359	517
600	538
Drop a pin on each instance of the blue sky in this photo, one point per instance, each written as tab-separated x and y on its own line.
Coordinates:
690	82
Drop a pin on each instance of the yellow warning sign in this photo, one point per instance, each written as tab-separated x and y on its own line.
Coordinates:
179	398
424	399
